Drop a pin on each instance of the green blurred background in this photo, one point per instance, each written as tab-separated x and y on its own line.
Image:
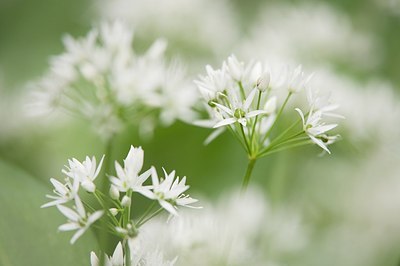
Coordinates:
321	188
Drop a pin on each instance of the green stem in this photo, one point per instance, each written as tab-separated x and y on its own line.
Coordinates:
246	178
242	90
146	212
127	254
301	143
277	117
104	236
255	121
245	139
150	217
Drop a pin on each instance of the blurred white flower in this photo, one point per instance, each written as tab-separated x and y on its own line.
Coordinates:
240	230
78	219
309	33
197	23
100	78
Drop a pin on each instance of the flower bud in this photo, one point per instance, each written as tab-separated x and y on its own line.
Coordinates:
114	193
89	186
270	105
263	81
126	201
114	211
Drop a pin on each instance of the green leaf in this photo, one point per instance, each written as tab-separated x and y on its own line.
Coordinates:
28	234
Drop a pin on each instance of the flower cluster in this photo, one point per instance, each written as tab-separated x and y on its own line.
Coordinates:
247	100
137	258
237	229
102	79
168	192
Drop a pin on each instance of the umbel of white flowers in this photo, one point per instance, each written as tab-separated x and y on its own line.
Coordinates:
100	78
246	99
167	191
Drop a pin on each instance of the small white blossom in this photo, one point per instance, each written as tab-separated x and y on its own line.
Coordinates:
234	68
239	111
64	192
86	172
169	192
315	128
78	219
270	105
128	177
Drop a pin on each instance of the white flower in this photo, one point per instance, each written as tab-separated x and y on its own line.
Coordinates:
137	258
86	172
270	105
117	259
78	219
215	81
239	111
64	192
315	128
128	177
234	67
295	80
102	79
169	192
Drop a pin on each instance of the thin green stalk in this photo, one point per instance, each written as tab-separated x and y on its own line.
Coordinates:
277	117
255	121
104	236
247	176
127	254
242	90
150	217
301	143
146	212
245	139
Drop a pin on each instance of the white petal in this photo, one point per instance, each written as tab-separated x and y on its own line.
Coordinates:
94	217
118	255
225	122
225	109
249	99
99	167
144	176
255	113
320	143
69	213
69	227
94	261
301	114
167	206
214	135
77	235
79	206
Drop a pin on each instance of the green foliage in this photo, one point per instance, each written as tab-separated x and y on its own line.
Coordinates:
28	234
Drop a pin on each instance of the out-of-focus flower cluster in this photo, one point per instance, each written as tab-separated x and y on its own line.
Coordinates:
193	25
310	33
102	79
237	230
